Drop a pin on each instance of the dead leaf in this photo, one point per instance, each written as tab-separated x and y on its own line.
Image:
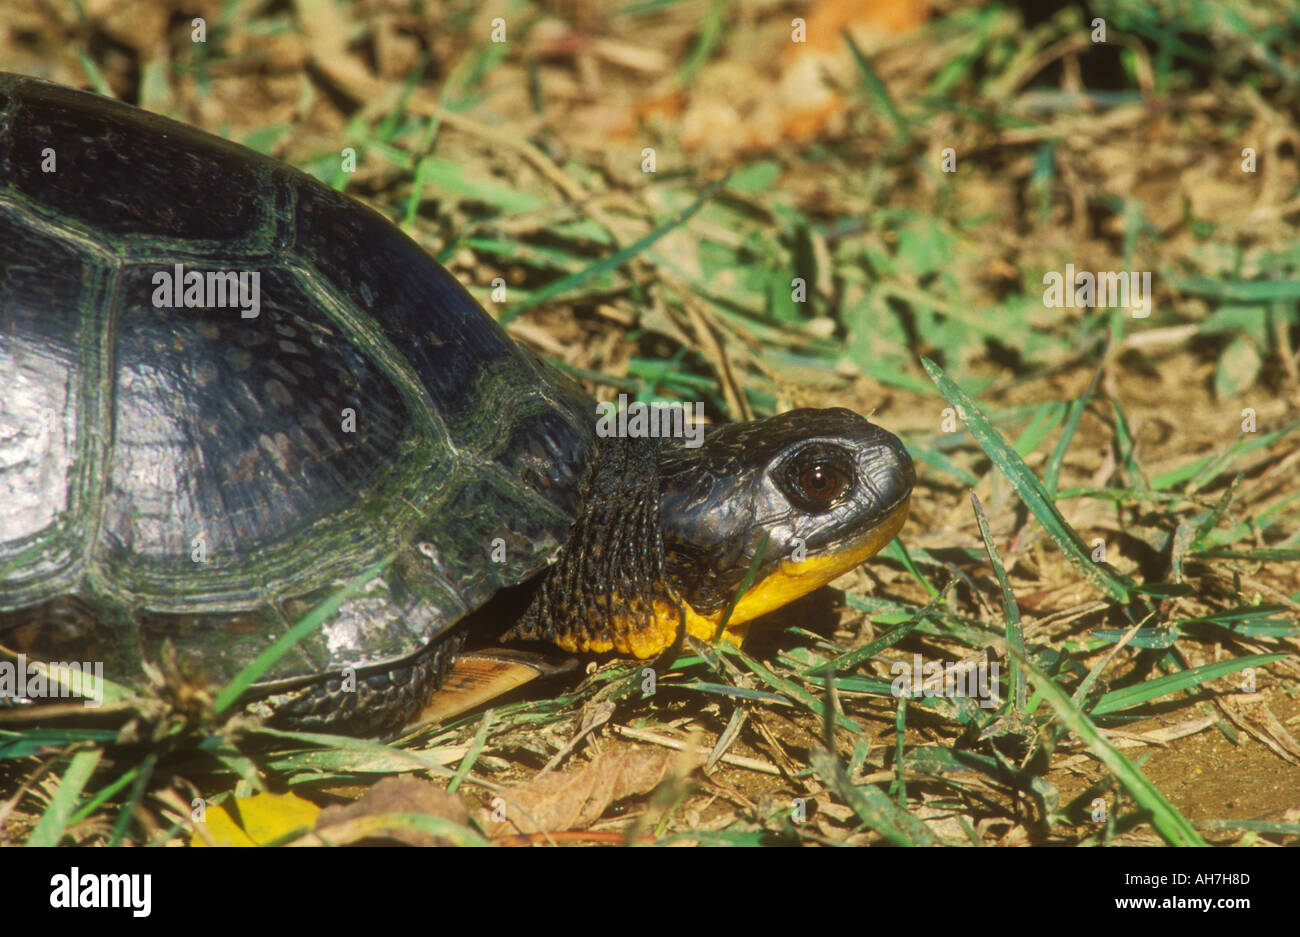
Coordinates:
575	799
399	795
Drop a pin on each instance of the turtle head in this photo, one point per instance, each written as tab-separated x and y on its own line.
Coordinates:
799	499
762	512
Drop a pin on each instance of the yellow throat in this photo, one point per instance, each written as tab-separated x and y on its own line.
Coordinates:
790	580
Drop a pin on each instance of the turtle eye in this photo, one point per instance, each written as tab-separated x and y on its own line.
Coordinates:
816	479
821	483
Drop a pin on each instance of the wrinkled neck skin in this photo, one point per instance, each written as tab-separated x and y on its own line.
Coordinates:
628	559
601	591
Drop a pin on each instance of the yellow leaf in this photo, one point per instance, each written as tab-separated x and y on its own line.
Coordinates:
269	816
265	817
223	830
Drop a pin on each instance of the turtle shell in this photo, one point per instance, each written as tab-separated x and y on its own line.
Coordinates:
183	472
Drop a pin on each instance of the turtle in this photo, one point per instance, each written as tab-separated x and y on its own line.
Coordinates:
226	389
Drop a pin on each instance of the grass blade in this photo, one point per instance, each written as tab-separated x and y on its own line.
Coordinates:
614	260
1028	487
1072	418
1130	696
54	821
309	623
1011	610
872	805
743	588
876	88
1169	823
